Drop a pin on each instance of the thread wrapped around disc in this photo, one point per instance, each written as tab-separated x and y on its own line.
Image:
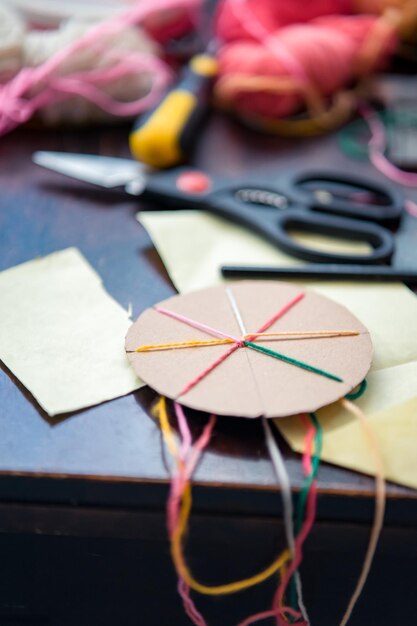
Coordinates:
250	349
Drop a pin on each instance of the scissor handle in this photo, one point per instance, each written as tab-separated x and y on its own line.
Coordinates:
389	211
379	238
174	188
274	225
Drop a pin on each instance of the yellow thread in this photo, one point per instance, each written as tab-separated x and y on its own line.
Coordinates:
179	532
219	342
183	344
167	431
182	568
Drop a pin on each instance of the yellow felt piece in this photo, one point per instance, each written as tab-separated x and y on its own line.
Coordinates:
62	334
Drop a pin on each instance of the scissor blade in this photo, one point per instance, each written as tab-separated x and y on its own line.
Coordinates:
104	171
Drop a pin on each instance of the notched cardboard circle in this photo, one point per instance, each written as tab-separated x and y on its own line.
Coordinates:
250	383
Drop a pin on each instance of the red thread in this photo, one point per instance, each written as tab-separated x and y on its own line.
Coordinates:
298	555
238	343
280	313
207	371
308	444
189	456
34	88
272	613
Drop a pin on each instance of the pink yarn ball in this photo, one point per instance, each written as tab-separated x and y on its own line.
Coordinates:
326	49
273	14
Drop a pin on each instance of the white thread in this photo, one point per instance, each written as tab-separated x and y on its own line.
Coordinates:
235	310
280	470
284	480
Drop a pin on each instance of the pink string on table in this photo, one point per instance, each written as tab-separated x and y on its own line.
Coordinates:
18	97
244	14
377	145
195	324
376	151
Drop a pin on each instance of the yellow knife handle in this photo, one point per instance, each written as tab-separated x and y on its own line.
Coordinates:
164	136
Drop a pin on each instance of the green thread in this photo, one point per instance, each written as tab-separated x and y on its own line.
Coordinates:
353	395
315	462
288	359
302	499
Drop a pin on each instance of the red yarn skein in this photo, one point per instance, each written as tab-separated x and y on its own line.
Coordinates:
274	14
327	49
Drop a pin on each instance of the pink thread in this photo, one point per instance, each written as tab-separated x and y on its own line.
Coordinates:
238	343
280	313
272	613
274	14
199	325
411	207
188	604
18	102
190	457
182	474
301	537
377	146
184	430
298	555
245	15
200	445
207	371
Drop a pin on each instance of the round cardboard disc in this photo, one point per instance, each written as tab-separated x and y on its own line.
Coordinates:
249	382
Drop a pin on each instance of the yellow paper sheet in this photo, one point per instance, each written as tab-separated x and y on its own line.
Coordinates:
193	245
395	427
62	335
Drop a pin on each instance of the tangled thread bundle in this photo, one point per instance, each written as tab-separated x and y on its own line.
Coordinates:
280	59
288	601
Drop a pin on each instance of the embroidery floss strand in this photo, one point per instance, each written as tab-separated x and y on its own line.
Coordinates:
379	507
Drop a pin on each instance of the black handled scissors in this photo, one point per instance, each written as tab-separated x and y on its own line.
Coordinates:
325	203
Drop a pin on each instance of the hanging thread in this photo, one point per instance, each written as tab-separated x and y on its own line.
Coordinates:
379	506
180	500
180	496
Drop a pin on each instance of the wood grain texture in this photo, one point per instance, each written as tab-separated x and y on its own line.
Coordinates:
112	454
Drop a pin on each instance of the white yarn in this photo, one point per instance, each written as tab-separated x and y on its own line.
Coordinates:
52	12
11	40
21	47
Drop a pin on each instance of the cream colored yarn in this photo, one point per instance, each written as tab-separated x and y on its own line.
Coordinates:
21	47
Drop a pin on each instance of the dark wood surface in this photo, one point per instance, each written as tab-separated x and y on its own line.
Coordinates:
112	454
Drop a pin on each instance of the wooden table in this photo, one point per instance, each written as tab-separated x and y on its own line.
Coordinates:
82	497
